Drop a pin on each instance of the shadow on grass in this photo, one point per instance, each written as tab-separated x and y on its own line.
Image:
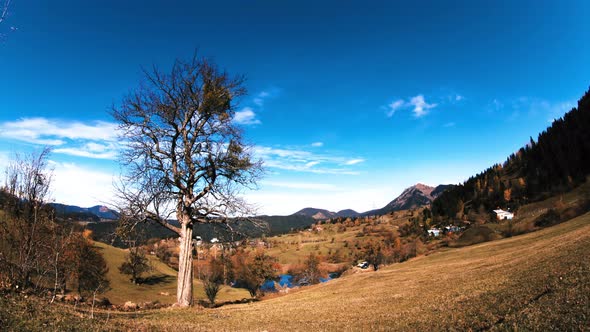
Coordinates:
156	280
207	304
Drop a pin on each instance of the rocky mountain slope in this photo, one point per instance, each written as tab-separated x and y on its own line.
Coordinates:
412	197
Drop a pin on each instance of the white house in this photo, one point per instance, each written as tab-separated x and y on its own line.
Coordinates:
214	240
503	215
434	232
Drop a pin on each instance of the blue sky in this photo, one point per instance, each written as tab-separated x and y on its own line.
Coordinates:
349	102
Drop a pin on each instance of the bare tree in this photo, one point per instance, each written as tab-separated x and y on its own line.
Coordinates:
185	155
23	234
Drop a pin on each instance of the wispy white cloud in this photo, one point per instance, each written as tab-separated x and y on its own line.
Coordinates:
394	106
459	97
53	132
495	105
516	108
421	107
88	153
97	139
449	124
417	104
312	163
260	98
317	144
299	160
354	161
246	116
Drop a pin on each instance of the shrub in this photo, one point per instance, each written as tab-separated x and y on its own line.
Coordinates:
549	218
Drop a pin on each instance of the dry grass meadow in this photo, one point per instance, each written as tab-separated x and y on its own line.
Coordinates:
537	281
160	285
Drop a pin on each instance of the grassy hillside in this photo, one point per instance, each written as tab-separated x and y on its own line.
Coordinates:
162	279
294	248
538	281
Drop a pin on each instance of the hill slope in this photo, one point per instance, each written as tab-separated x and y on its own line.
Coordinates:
510	283
161	279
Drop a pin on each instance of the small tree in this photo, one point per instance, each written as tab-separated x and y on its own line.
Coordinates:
373	253
92	273
212	278
211	289
312	271
135	264
253	271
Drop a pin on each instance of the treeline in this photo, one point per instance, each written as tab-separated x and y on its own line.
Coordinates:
558	161
37	251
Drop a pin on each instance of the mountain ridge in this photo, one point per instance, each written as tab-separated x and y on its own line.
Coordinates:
414	196
99	211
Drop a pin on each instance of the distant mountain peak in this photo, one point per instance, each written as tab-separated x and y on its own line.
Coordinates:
417	195
321	214
99	211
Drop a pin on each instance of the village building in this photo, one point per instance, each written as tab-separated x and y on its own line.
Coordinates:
434	232
503	215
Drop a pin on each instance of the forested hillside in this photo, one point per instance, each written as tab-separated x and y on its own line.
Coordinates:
556	162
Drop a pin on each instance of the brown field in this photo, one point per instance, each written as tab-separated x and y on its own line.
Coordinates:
537	281
160	280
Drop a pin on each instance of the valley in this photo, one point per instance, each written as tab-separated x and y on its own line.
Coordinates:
498	285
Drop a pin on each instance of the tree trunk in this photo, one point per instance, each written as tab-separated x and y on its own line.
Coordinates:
184	292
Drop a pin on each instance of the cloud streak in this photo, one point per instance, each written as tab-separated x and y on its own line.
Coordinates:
260	98
43	130
421	107
299	160
354	161
416	104
394	106
246	116
97	139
